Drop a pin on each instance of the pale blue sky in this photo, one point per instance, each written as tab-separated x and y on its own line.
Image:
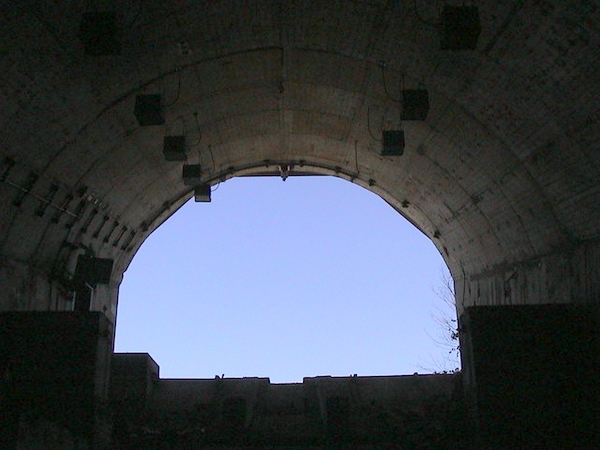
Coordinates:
311	276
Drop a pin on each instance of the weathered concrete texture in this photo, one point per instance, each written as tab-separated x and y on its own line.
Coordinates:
567	275
501	175
418	411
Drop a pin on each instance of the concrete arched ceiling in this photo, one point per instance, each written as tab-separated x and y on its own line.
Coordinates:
504	169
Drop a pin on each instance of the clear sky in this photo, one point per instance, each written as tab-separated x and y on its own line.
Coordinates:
311	276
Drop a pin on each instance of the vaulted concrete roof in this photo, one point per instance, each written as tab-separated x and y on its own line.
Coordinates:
502	173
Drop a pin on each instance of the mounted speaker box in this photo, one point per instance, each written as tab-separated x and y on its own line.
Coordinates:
393	143
174	148
192	174
92	270
415	104
460	28
202	193
148	110
98	33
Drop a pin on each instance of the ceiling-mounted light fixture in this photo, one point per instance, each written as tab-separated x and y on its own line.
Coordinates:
98	33
148	110
174	148
284	171
393	143
202	193
460	28
415	104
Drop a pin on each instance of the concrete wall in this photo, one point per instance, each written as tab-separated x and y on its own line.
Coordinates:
531	375
55	377
569	275
416	409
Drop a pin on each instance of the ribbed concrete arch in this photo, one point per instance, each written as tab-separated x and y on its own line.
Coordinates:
502	175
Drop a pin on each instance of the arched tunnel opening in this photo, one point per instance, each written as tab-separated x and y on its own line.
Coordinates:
313	276
477	122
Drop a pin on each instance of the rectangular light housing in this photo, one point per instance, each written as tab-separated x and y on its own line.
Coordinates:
98	33
202	193
415	104
393	143
174	148
148	110
460	28
192	174
93	270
